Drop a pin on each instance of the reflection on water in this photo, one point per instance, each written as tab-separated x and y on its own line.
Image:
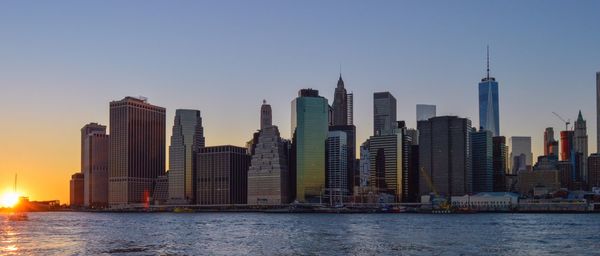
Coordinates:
300	234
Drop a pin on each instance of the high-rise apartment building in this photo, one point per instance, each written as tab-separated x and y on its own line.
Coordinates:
445	155
309	133
95	165
483	168
186	139
222	175
489	115
384	113
137	151
424	112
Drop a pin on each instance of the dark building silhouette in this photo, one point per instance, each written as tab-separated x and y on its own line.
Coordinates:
594	170
340	104
222	175
483	168
76	190
500	159
137	150
445	154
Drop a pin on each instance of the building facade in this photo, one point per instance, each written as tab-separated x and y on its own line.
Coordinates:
594	170
500	159
187	138
364	164
445	155
483	164
580	146
76	190
389	157
384	113
424	112
309	134
137	151
95	166
337	167
266	115
222	175
268	174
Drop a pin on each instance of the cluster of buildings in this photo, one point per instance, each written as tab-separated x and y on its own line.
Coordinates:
321	163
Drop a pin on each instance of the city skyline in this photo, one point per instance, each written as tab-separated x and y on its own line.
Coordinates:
59	102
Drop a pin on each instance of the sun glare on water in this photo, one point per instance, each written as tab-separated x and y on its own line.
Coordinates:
9	199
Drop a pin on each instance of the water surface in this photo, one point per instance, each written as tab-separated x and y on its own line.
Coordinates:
73	233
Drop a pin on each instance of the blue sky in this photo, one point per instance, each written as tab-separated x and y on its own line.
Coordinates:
61	62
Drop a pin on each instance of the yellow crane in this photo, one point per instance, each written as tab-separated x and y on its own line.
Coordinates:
444	205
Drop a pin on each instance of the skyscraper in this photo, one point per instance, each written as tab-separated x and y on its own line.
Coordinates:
594	170
137	151
337	166
364	164
384	113
483	169
76	190
550	144
424	112
268	175
89	129
500	158
266	116
222	175
95	165
521	145
350	98
309	133
567	146
389	158
187	138
580	146
445	155
340	104
489	115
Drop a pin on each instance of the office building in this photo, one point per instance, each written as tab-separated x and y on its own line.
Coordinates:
186	139
500	159
222	175
350	99
160	194
424	112
521	145
85	131
268	175
340	104
445	155
309	133
593	170
266	115
550	144
389	161
530	181
580	146
483	168
364	164
137	151
95	165
76	190
566	172
384	113
337	167
489	115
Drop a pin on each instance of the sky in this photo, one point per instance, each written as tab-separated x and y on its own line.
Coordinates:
62	62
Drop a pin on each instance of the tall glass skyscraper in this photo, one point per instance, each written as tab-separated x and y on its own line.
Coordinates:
186	139
489	115
384	113
309	131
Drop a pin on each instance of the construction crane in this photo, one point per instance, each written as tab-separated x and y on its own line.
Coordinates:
567	122
436	200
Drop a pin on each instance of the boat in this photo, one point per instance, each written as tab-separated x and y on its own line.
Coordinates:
182	210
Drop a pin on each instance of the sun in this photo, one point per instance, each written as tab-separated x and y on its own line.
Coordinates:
9	199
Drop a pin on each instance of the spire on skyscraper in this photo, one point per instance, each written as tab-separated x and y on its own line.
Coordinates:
488	62
579	117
